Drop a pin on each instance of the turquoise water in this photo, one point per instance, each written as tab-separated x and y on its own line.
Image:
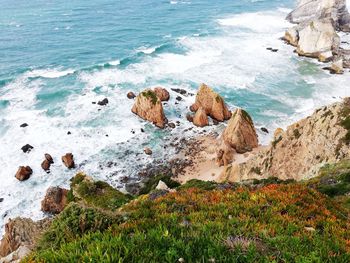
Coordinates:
57	58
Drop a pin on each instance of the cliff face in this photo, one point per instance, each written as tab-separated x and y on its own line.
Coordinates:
300	151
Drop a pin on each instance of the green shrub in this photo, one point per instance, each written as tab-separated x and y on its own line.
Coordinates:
152	183
199	184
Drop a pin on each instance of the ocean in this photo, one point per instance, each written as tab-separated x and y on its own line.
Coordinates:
57	57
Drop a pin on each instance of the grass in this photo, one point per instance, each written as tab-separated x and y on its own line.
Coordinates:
150	95
202	223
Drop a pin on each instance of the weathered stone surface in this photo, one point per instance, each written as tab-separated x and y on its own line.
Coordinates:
162	93
24	173
240	133
21	232
68	160
149	107
300	151
55	200
212	103
16	256
292	36
200	119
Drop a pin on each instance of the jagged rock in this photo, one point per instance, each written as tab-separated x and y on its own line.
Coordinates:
318	39
68	160
335	10
16	256
200	119
27	148
148	151
103	102
24	173
240	133
300	151
21	232
149	107
162	93
131	95
212	103
23	125
162	186
55	200
292	36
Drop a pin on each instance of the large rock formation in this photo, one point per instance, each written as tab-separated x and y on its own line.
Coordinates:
318	39
239	136
55	200
300	151
200	119
21	232
315	35
212	103
149	107
334	10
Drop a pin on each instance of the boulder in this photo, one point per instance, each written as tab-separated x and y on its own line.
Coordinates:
68	160
337	67
148	151
172	125
27	148
162	93
200	119
23	125
162	186
103	102
318	39
24	173
55	200
48	157
131	95
149	107
21	232
46	165
240	133
212	103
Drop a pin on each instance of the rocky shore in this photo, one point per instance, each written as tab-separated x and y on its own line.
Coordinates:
316	34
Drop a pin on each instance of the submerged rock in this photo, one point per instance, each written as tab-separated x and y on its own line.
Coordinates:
149	107
24	173
68	160
55	200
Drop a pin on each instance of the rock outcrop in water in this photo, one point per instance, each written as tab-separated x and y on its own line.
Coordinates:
24	173
149	107
300	151
211	103
68	160
315	33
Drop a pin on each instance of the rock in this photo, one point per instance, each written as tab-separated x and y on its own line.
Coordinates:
21	232
193	108
224	154
103	102
337	67
240	133
68	160
27	148
162	93
69	133
212	103
55	200
200	119
17	255
48	157
172	125
24	173
263	129
335	10
318	39
189	117
148	151
162	186
180	91
23	125
149	107
1	200
178	98
131	95
46	165
292	36
299	152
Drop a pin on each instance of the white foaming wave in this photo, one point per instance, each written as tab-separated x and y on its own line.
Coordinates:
49	73
147	50
114	62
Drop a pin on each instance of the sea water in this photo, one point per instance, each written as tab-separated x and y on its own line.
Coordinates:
57	57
